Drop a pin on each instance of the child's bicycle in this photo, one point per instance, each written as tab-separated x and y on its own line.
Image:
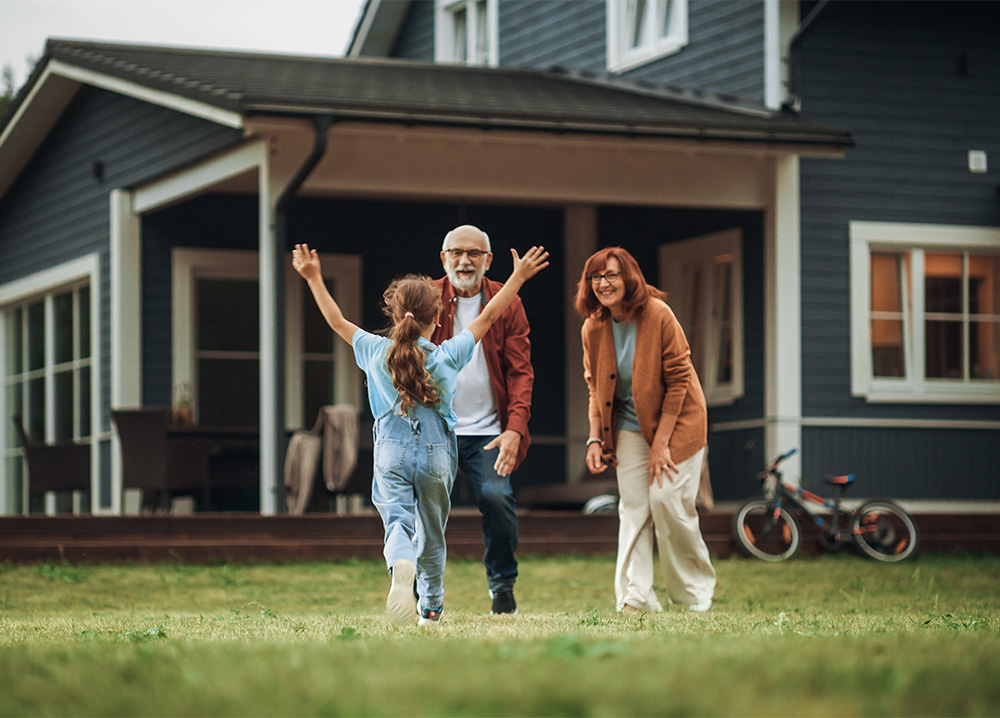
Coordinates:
765	527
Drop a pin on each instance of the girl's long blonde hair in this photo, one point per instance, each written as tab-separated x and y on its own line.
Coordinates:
413	303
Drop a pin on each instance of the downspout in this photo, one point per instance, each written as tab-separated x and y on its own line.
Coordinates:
794	101
272	365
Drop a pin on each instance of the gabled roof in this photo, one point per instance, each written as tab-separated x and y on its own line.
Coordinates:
229	86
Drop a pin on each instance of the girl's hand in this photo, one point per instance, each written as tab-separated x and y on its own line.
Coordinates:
594	463
530	264
305	261
661	463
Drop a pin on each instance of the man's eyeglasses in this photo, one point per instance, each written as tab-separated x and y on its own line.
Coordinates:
595	279
470	253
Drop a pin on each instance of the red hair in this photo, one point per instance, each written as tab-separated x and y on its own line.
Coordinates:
637	290
413	302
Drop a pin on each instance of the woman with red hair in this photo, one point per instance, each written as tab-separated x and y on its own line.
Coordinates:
647	418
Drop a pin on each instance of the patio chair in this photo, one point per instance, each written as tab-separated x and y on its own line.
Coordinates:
62	466
162	467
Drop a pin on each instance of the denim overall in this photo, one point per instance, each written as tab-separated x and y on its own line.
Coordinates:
415	462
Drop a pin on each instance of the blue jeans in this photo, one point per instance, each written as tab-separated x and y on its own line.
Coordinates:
415	463
495	498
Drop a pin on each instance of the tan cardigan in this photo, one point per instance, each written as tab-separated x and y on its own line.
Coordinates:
668	398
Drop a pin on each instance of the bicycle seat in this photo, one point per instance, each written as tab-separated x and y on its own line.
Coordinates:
844	480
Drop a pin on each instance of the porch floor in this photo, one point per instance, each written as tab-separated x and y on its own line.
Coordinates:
198	538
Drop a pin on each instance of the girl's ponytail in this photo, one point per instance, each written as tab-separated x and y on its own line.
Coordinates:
413	303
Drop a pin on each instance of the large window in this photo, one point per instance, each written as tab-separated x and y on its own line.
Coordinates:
216	361
466	32
643	30
703	279
925	312
46	368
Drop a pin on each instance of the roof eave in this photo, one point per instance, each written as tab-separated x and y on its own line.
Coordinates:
377	28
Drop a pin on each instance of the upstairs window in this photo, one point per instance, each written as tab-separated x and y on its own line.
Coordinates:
466	32
925	313
643	30
703	279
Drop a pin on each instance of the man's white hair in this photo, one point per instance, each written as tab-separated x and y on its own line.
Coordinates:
444	242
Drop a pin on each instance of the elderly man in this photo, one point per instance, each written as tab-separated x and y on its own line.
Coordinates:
493	401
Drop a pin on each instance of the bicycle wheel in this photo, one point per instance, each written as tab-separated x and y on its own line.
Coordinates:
884	531
762	534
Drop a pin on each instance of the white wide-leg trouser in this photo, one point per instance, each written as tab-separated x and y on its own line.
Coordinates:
670	512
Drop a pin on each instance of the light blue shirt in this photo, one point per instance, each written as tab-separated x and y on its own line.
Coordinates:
625	355
443	364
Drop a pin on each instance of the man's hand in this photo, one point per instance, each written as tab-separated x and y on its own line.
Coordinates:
305	261
509	442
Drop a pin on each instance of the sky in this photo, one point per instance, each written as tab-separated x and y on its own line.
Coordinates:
307	27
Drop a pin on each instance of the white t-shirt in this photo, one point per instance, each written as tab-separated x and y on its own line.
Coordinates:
474	404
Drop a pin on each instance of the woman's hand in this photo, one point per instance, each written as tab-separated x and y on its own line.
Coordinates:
305	261
594	463
661	463
530	264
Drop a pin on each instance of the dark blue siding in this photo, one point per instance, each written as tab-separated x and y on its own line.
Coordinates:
905	462
891	73
416	36
734	460
570	33
57	210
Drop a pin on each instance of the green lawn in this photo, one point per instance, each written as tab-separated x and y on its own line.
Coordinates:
833	635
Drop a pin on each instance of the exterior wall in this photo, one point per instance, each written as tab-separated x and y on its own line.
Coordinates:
57	210
724	55
416	36
891	72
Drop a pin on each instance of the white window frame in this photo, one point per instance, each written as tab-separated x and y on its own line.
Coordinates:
869	237
674	260
192	264
654	45
444	32
45	284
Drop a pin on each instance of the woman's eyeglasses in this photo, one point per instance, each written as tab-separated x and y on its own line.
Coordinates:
595	279
470	253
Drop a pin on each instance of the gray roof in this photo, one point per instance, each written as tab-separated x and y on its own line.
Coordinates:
413	92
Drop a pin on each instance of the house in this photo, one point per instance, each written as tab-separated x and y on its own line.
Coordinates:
149	197
881	354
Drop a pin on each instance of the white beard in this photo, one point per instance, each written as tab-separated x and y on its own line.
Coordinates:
460	282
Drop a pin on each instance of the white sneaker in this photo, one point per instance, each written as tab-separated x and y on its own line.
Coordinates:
700	607
400	604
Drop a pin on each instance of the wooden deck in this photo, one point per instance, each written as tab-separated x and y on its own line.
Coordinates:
248	537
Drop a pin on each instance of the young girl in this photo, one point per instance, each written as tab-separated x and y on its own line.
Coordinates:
411	385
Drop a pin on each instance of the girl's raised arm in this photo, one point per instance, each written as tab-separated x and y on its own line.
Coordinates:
305	261
525	268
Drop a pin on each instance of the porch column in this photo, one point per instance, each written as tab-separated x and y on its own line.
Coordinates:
579	242
272	342
782	298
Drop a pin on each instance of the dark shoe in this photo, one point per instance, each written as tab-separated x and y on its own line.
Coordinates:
503	602
430	616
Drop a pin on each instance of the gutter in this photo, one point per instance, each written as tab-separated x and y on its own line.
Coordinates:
272	331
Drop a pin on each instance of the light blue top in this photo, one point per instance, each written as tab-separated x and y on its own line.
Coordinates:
443	363
625	354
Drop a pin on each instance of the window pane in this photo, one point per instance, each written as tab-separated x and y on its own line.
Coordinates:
943	283
36	335
228	392
84	382
944	349
35	424
984	285
984	350
13	343
638	23
319	337
885	292
665	17
63	330
84	330
227	315
64	405
14	395
459	35
887	348
318	388
481	54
